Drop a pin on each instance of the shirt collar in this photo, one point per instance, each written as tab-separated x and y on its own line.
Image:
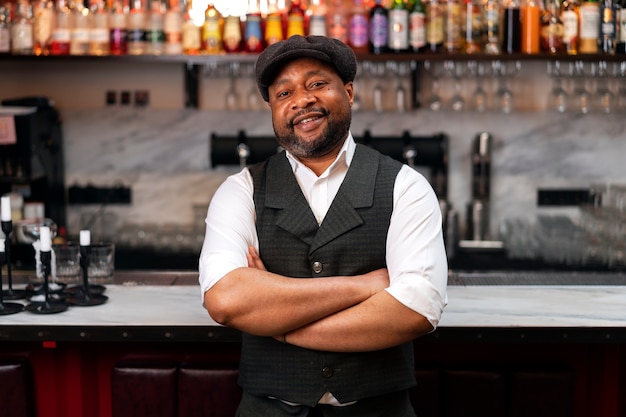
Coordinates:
345	155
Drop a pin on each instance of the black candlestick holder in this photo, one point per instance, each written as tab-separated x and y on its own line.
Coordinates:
10	293
7	308
84	295
47	306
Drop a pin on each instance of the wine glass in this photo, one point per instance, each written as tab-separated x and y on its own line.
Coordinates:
580	88
603	93
558	95
232	96
479	95
504	95
434	101
456	71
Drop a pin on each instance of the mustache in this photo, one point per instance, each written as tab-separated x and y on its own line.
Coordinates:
301	113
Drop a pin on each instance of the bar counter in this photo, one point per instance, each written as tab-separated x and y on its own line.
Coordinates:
509	344
162	306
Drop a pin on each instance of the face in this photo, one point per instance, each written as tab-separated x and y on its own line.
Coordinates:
311	108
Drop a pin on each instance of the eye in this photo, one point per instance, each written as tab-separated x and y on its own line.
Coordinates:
318	84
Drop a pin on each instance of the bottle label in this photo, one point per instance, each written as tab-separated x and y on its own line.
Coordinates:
398	29
434	25
99	35
338	27
80	35
570	26
5	40
378	30
358	31
60	35
317	25
295	25
622	25
589	21
273	29
607	25
232	33
191	37
253	34
22	36
417	30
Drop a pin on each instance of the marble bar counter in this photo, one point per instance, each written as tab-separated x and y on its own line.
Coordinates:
144	306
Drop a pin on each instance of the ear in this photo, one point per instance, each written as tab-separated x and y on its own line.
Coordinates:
349	87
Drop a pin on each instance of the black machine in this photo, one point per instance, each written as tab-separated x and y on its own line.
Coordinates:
33	166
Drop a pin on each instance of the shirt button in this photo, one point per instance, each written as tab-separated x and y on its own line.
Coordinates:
317	267
327	372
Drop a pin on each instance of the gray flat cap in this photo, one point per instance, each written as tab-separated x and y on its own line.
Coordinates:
326	49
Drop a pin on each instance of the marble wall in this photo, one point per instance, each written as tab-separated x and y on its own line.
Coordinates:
163	156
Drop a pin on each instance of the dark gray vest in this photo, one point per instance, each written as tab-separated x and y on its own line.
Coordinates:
350	241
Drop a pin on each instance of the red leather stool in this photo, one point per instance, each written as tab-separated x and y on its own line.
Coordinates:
207	392
143	390
16	389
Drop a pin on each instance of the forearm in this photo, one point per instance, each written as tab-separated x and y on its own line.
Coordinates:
377	323
263	303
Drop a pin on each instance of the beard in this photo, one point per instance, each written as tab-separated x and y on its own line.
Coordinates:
334	133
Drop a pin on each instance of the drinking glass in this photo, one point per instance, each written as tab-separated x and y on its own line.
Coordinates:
577	71
232	96
434	101
504	95
604	96
558	95
456	72
479	96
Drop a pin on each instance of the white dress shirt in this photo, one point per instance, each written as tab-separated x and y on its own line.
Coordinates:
416	258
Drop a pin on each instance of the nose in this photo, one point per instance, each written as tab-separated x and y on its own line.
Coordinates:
303	98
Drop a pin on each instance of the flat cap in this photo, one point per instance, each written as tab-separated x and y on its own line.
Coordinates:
330	50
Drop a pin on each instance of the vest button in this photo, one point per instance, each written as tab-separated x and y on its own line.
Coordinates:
327	372
317	267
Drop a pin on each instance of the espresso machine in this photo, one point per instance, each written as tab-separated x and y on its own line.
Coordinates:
31	159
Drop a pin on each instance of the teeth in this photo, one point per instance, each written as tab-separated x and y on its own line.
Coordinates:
308	120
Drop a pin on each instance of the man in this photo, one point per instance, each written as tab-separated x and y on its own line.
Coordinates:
328	256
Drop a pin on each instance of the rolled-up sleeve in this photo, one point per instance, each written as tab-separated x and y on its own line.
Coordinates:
230	230
416	258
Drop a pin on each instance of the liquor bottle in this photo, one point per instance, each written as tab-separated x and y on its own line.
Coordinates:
295	19
620	47
607	40
492	11
155	28
589	27
511	27
43	20
273	24
192	39
79	36
398	40
358	22
473	26
417	27
136	32
531	23
317	18
173	28
118	28
5	30
378	28
62	31
232	38
435	32
99	34
22	29
551	34
253	34
337	24
569	16
212	30
452	26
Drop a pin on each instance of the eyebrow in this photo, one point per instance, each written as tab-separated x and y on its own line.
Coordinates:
308	74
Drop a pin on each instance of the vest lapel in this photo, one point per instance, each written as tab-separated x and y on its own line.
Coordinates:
356	191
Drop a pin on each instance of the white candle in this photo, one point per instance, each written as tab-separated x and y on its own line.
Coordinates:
44	237
85	238
6	208
1	245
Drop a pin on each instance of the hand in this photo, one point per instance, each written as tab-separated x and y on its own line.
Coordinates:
254	260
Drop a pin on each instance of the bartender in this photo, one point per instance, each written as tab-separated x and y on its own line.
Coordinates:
328	256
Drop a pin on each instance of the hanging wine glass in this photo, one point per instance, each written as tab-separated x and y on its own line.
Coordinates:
558	95
434	101
479	96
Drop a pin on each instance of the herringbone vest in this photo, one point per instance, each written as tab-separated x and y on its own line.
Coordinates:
350	241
